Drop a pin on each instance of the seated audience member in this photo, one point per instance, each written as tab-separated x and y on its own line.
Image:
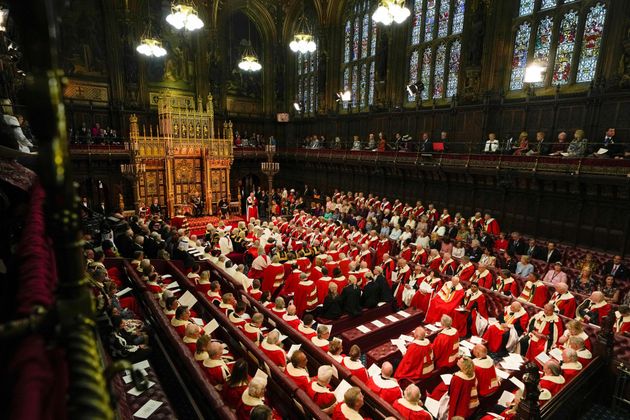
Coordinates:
124	344
584	284
235	384
524	268
261	412
297	370
522	147
615	268
475	252
609	290
238	317
504	335
555	275
446	300
571	366
253	329
332	308
271	346
351	297
487	379
182	318
463	390
482	276
291	318
563	301
353	362
242	280
446	344
201	349
320	390
534	291
349	408
552	379
608	147
508	262
587	262
384	385
305	328
544	330
335	351
594	309
215	293
321	340
492	144
370	295
227	303
584	355
253	396
193	332
278	307
417	363
574	329
578	146
203	283
487	259
540	147
170	306
505	284
622	320
410	406
458	250
217	368
560	146
472	317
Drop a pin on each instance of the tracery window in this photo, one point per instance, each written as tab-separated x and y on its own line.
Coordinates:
434	54
563	36
307	81
360	35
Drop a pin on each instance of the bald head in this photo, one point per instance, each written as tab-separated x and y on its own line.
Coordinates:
273	337
597	297
412	394
446	321
562	288
516	306
419	333
387	370
215	350
480	351
291	309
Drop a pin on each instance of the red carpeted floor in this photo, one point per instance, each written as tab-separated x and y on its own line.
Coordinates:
197	225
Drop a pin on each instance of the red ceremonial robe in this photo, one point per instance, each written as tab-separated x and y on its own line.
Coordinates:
419	256
316	274
305	298
356	368
602	309
366	256
506	286
386	388
564	304
307	332
275	353
388	267
417	363
622	324
180	326
382	247
492	227
405	253
299	376
191	343
292	320
494	334
571	370
463	396
246	405
343	412
448	267
402	278
475	305
273	275
253	333
344	266
236	320
321	343
444	303
421	300
484	279
553	384
322	288
465	271
551	326
290	285
217	371
321	395
410	411
341	282
434	262
487	380
446	348
535	293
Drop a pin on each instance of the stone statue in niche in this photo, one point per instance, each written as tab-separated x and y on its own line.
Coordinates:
477	31
381	56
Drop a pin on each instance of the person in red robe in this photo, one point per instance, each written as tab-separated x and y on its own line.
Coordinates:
273	275
252	329
552	379
401	276
483	277
463	390
388	266
339	279
353	362
320	390
506	284
446	344
584	355
237	316
466	269
252	208
236	384
253	396
366	256
293	279
535	291
419	256
512	323
410	406
193	332
430	285
321	340
297	370
214	294
491	226
417	363
384	385
383	246
291	318
473	305
571	366
563	301
434	260
217	368
445	301
349	408
448	266
594	309
181	320
487	379
305	328
544	330
271	347
622	320
305	298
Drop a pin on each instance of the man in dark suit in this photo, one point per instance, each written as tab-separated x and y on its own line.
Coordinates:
351	297
615	268
534	251
541	147
384	291
371	294
553	255
426	145
610	144
516	246
452	231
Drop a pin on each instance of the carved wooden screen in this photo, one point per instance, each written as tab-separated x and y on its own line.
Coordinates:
152	185
187	177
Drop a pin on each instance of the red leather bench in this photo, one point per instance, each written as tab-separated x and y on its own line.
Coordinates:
347	322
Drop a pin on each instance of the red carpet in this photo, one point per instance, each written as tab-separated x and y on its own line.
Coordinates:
197	225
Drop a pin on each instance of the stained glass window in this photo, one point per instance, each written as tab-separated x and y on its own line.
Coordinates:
413	73
307	81
445	11
542	44
426	73
429	21
360	43
458	16
434	58
453	69
591	43
547	4
565	48
526	7
438	76
519	58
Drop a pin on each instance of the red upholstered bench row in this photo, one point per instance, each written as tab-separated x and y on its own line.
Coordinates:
347	322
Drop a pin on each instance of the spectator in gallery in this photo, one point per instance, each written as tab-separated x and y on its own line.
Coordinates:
584	284
609	146
577	147
560	146
610	290
508	143
356	143
426	145
371	145
541	147
492	144
523	145
524	268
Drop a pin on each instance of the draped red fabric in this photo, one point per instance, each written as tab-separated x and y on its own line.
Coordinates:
40	373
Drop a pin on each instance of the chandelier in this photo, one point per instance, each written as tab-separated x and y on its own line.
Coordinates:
249	60
151	47
303	41
184	16
391	11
